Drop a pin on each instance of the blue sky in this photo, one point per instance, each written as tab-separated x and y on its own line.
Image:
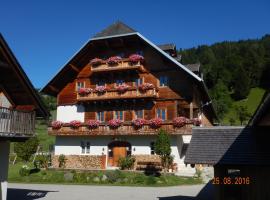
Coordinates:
45	34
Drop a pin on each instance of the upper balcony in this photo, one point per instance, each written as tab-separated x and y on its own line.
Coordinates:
14	123
110	94
126	128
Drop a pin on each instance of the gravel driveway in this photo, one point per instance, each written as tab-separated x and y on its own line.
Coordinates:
81	192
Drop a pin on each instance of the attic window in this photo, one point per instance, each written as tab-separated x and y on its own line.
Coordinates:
80	85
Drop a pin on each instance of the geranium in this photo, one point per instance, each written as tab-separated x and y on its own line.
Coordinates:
100	89
84	91
134	58
146	86
96	61
56	124
122	88
155	123
196	121
180	121
114	60
115	123
93	123
75	123
138	123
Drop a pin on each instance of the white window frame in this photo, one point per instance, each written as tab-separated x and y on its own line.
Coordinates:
135	82
135	114
161	109
115	115
97	116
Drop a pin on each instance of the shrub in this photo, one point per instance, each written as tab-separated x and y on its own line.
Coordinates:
56	124
42	161
139	179
126	162
114	176
62	161
25	150
24	171
151	180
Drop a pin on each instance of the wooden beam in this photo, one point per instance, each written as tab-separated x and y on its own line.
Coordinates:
54	88
4	65
74	68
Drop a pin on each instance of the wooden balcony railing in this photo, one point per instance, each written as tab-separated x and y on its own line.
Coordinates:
114	94
15	123
126	129
124	64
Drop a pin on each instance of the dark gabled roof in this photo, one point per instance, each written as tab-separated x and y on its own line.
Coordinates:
228	146
117	28
262	109
194	67
16	83
166	47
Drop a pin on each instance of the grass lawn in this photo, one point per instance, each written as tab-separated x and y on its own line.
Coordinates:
252	102
115	177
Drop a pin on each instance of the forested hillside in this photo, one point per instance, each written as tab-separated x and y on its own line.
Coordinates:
231	69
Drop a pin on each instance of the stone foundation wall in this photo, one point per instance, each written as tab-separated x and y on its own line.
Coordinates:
81	162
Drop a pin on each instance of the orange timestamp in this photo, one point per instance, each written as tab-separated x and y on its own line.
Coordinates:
231	181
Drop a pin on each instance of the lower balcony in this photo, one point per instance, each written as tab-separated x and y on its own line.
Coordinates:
125	129
14	123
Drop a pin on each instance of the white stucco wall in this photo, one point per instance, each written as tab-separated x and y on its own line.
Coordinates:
69	113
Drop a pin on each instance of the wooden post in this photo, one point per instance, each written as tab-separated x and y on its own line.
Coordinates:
191	110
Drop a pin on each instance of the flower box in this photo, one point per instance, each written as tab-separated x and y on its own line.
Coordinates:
84	91
114	123
180	122
92	124
100	89
145	86
155	123
139	123
135	58
57	124
122	88
75	124
114	60
96	62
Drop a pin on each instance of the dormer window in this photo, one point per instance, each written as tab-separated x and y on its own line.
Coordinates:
80	84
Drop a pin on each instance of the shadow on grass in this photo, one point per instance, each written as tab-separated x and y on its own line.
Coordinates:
207	193
25	194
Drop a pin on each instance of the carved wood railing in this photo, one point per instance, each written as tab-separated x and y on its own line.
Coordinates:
126	129
16	123
124	64
114	94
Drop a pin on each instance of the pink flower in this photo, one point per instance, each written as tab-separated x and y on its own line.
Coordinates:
180	121
134	58
75	124
145	86
122	88
115	123
92	124
155	123
57	124
85	91
96	61
196	121
138	123
100	89
114	60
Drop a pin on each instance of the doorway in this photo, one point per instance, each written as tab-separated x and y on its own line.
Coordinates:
118	149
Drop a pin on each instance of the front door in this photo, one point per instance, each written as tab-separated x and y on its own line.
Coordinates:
118	152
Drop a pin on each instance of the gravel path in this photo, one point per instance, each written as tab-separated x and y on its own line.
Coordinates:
81	192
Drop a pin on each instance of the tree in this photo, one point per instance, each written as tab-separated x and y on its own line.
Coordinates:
25	150
163	149
241	84
242	113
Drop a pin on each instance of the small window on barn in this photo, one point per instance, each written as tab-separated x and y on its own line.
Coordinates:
79	85
163	81
85	147
100	116
152	148
161	113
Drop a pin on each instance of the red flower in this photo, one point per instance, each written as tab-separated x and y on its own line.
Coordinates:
196	121
84	91
75	124
122	88
138	123
155	123
92	124
114	60
56	124
115	123
96	61
180	121
100	89
145	86
134	58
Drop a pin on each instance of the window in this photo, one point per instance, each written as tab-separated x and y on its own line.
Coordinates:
138	114
163	81
100	83
161	113
152	148
138	81
80	85
100	116
85	147
119	82
119	115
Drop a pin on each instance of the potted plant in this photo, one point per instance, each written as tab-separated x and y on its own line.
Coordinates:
100	89
180	122
114	123
135	58
155	122
139	123
96	61
122	88
56	124
75	124
145	86
92	124
114	60
84	91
